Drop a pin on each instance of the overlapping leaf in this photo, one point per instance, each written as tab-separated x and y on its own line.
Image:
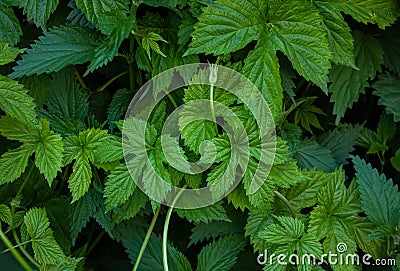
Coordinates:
347	82
10	30
38	11
58	48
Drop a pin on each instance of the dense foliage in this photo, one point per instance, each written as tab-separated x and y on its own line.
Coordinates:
328	69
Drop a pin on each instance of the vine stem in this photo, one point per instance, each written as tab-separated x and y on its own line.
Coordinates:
212	107
131	67
8	243
111	81
287	203
147	238
23	250
95	242
14	252
166	224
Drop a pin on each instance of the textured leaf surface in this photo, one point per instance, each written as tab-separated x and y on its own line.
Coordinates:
10	29
95	10
388	90
262	68
81	211
7	53
133	237
339	36
366	11
341	141
256	222
38	11
207	214
289	236
348	83
311	155
48	152
15	101
58	48
380	199
65	97
119	185
80	178
108	49
390	43
221	254
45	247
226	26
13	163
336	213
296	28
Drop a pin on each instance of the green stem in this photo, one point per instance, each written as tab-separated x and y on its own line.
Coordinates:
166	224
212	107
80	79
287	203
131	66
95	242
147	238
23	250
172	100
111	81
14	232
16	246
14	252
26	179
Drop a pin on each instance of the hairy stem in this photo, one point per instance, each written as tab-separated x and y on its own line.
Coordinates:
147	238
14	252
287	203
166	224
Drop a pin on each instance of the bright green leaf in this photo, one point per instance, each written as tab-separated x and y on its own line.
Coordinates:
15	101
296	29
7	53
226	26
45	247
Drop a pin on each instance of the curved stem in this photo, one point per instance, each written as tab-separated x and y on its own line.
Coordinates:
166	224
146	239
80	79
111	81
13	207
287	203
14	252
16	246
23	250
